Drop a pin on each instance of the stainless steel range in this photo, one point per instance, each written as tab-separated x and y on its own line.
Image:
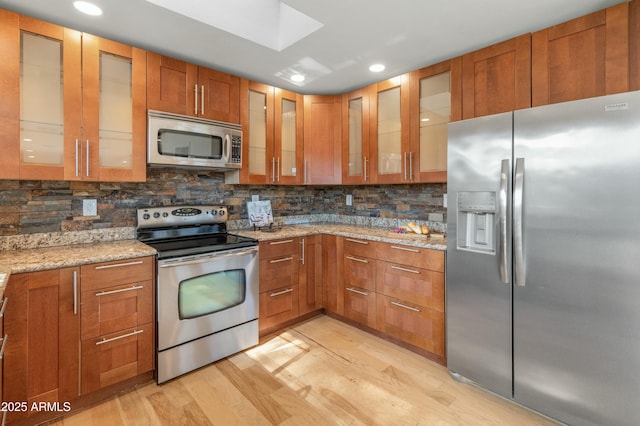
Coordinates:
207	286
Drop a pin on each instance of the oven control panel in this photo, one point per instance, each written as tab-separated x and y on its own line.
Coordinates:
154	217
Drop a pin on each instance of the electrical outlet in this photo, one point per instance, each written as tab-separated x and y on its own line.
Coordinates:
444	201
255	198
89	207
349	199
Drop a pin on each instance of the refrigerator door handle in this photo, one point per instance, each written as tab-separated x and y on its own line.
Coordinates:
502	206
517	223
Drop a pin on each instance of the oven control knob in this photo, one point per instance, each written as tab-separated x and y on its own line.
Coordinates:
221	212
156	215
146	216
165	214
213	212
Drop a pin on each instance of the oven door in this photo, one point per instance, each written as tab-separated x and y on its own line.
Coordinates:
201	295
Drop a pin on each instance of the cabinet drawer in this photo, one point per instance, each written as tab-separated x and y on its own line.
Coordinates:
116	357
277	306
359	272
414	256
112	309
360	305
109	274
278	272
420	286
279	248
359	247
412	323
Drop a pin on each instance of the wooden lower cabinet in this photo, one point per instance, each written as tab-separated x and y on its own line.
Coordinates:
310	274
41	359
115	357
117	322
279	291
360	305
411	323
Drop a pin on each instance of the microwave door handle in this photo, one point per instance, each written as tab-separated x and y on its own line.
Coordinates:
227	147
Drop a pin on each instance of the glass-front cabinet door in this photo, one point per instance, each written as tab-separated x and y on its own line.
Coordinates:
435	101
356	160
113	145
74	105
392	159
256	117
288	138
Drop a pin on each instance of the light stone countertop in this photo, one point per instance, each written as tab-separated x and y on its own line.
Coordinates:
350	231
40	259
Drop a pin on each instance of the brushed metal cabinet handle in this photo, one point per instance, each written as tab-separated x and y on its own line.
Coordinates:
118	265
405	249
104	340
400	305
195	90
75	292
284	259
4	306
357	241
357	260
353	290
202	100
4	345
302	244
275	243
279	293
132	288
398	268
87	159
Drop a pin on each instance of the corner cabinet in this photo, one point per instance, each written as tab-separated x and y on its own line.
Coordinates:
582	58
74	104
356	157
322	140
188	89
272	122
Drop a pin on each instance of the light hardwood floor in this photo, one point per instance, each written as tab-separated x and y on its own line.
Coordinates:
320	372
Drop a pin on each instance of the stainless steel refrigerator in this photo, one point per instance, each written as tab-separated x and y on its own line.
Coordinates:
543	258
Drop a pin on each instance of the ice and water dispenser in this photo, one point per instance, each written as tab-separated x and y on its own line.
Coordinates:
476	221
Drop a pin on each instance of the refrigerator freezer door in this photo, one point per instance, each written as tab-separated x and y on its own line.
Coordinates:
478	302
577	318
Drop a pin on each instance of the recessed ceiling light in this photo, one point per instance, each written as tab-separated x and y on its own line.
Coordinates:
376	68
297	78
87	8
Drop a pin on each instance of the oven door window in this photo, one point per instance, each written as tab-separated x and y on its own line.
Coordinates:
188	144
211	293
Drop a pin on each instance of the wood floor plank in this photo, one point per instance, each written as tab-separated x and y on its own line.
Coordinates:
319	372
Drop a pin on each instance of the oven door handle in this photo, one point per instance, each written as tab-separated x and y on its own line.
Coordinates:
204	257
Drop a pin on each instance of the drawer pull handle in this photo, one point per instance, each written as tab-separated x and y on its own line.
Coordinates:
353	290
275	243
405	269
284	259
4	306
405	249
400	305
117	265
357	260
357	241
4	345
105	293
104	340
279	293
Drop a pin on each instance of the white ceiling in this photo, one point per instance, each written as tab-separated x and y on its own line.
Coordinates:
403	34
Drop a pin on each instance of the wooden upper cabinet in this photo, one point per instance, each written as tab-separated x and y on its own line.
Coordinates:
582	58
322	139
435	101
188	89
356	159
391	156
634	45
497	78
288	137
74	104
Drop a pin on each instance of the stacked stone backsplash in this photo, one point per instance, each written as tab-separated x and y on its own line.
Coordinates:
28	207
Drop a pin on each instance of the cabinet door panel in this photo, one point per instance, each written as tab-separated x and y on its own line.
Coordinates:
278	272
322	140
116	357
359	272
171	84
416	256
412	323
582	58
497	78
10	89
277	306
420	286
310	274
221	95
109	274
360	305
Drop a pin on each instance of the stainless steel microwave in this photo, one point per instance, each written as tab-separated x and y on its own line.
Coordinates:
189	142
